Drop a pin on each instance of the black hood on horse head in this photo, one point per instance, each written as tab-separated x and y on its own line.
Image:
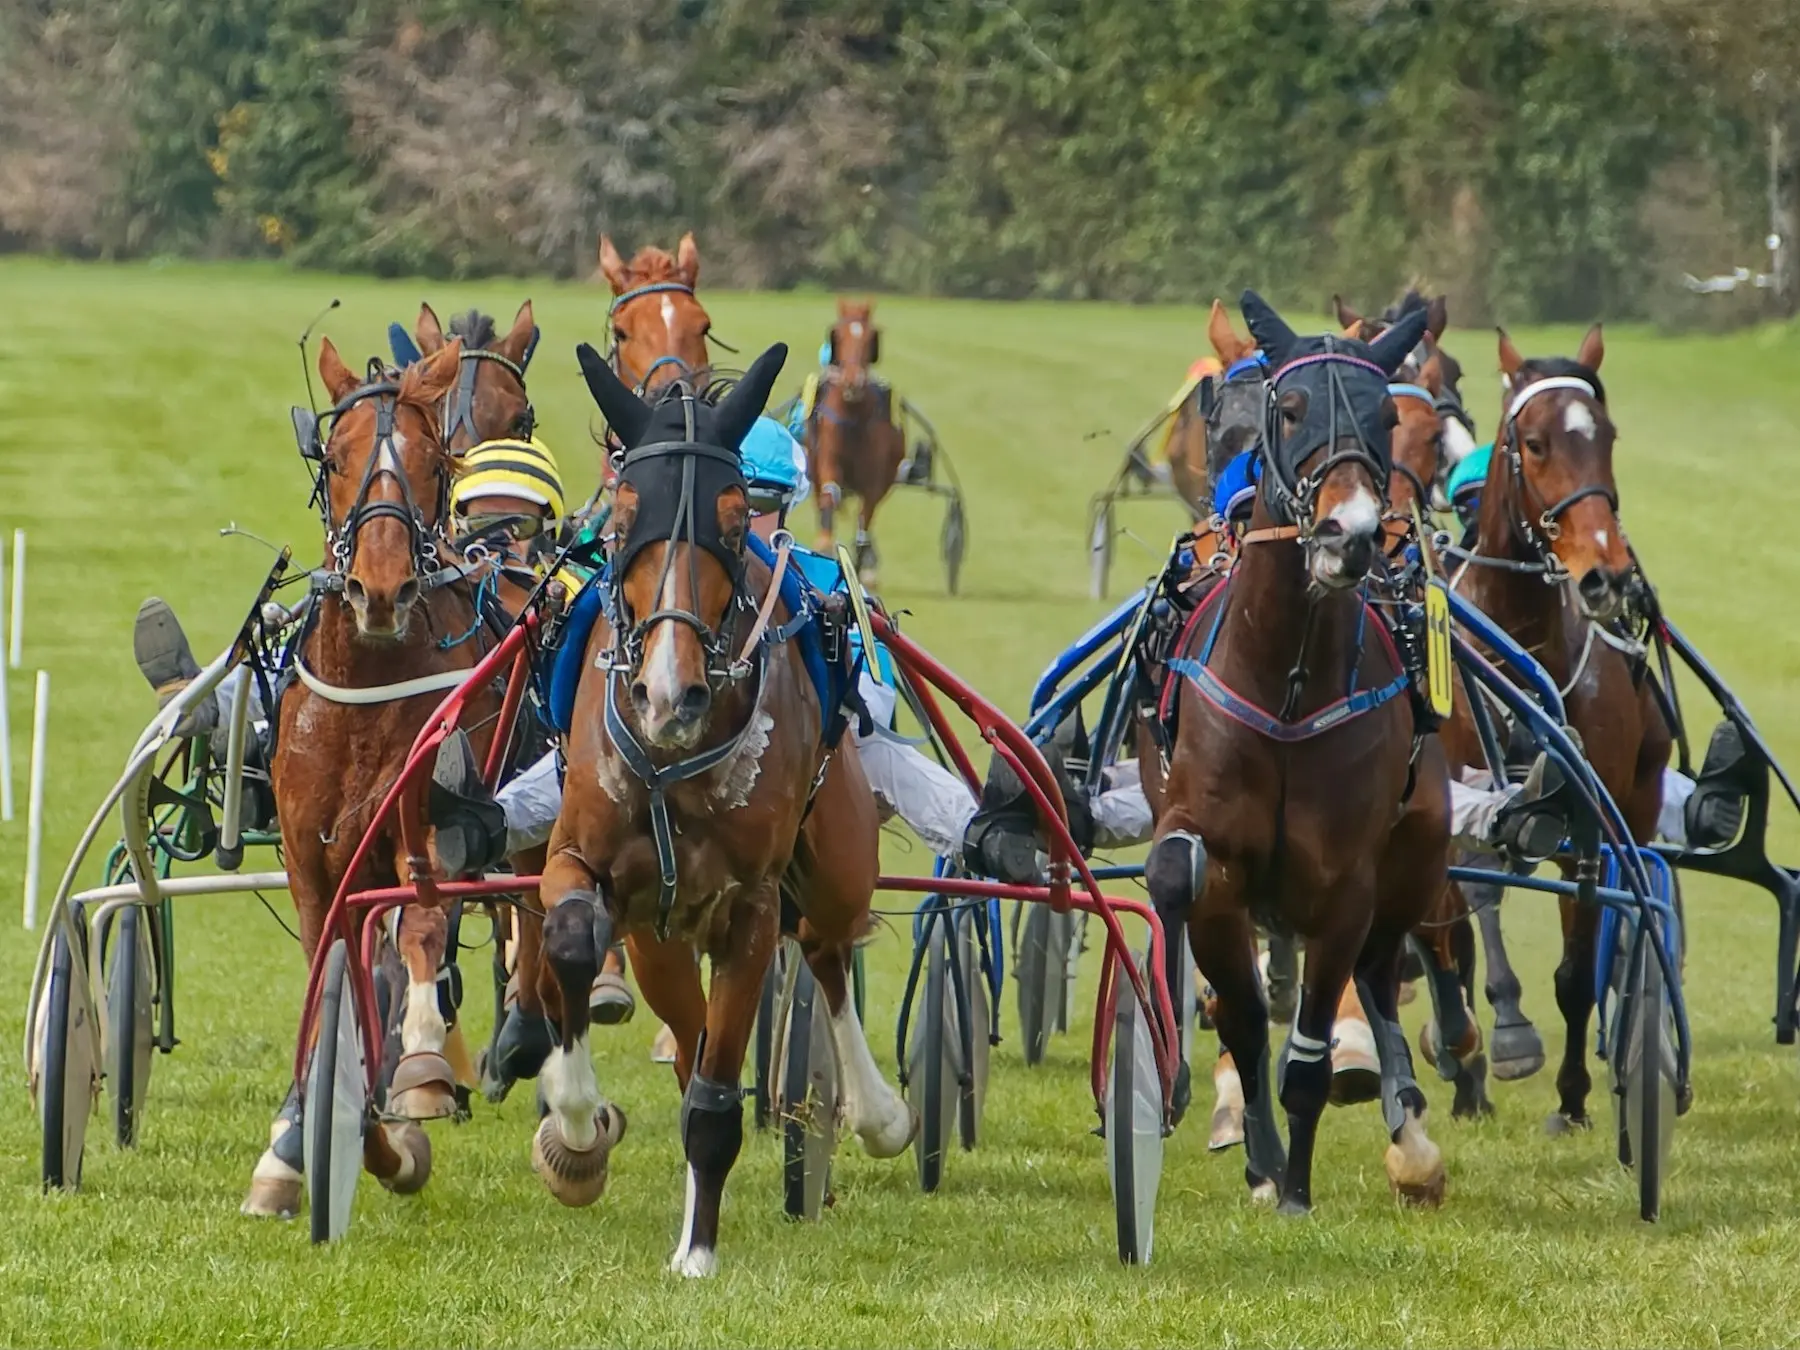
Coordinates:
1345	399
681	453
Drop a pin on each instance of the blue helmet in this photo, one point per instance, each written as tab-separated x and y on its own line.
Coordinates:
774	465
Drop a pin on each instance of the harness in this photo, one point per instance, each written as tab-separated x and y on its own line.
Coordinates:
459	404
1423	395
637	293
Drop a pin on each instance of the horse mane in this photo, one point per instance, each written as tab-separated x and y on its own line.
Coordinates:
1553	367
474	328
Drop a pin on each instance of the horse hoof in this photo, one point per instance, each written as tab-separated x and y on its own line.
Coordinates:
1559	1123
1293	1207
887	1142
575	1176
697	1263
610	1001
1427	1194
1227	1130
423	1088
272	1198
414	1147
1517	1052
1263	1191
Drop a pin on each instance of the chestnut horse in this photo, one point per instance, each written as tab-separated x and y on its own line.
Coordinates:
658	329
1552	566
1201	443
371	669
703	811
1258	825
854	446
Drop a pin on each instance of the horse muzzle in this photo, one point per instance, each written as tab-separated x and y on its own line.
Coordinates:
1601	592
382	613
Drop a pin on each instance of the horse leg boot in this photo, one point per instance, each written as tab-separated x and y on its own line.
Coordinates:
275	1185
1303	1073
876	1113
1175	875
1415	1164
1355	1065
712	1103
1575	1000
424	1087
1225	946
580	1127
1516	1051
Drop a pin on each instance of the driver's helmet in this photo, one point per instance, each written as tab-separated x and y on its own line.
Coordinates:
509	468
774	467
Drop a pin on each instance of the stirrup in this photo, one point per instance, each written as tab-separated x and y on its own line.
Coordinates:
1713	816
1534	824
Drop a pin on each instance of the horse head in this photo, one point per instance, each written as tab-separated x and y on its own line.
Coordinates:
1327	448
855	345
658	328
1555	462
489	400
1234	404
681	511
384	484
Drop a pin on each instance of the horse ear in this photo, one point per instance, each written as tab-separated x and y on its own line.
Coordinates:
739	409
518	341
1391	348
339	378
428	331
687	260
1268	328
1431	374
612	266
843	306
1510	360
428	381
1346	317
1593	349
624	411
1226	344
1437	317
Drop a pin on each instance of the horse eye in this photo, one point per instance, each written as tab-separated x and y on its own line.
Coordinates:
1536	445
619	334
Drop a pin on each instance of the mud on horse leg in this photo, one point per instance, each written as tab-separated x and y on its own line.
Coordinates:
580	1128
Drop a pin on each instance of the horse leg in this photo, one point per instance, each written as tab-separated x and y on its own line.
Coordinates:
423	1086
1225	949
868	562
1304	1070
1281	975
1575	1000
1227	1127
1450	980
712	1104
1415	1165
580	1127
875	1113
669	977
1517	1051
825	448
1355	1063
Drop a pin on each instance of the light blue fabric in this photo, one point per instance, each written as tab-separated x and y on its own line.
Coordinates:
1464	483
773	458
1237	482
825	353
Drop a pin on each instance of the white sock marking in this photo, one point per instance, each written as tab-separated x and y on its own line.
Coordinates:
572	1093
423	1026
682	1248
871	1108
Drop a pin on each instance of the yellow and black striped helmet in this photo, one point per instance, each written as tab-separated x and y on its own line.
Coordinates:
510	468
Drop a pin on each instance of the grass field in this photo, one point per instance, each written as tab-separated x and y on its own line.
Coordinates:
141	409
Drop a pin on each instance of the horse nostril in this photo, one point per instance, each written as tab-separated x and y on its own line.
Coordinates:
406	595
695	700
640	696
353	591
1596	584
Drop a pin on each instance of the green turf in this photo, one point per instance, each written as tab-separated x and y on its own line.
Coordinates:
143	408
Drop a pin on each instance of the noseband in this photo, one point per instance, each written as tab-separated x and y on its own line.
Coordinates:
384	460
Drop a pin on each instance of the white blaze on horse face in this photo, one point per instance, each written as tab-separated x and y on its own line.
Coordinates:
1458	443
1578	420
662	665
668	313
1359	513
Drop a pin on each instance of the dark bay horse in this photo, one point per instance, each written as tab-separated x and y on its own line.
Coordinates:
703	812
1552	566
854	446
371	668
1298	795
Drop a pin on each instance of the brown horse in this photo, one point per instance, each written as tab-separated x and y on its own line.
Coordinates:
854	447
489	400
1197	453
1552	566
371	669
702	804
1290	803
658	328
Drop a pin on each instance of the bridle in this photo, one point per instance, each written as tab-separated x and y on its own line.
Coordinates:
1420	394
619	302
341	538
458	416
1291	496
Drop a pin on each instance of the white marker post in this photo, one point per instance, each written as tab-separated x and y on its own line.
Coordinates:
18	599
34	844
6	778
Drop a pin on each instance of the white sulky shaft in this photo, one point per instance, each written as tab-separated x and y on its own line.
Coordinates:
34	844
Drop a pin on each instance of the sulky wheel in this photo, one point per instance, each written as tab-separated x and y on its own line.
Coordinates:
1644	1073
336	1105
806	1093
762	1047
1042	973
1132	1121
65	1063
1100	548
972	1096
130	1020
931	1086
954	543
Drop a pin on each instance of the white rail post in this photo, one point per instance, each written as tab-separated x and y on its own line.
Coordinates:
18	599
34	846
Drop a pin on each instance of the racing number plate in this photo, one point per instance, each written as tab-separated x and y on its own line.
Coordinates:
1439	668
859	606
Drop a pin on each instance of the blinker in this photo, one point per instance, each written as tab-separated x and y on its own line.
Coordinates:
306	434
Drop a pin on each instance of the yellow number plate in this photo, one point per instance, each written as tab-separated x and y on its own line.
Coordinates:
1440	667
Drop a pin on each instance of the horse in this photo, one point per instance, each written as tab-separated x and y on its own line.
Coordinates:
1257	827
1552	566
658	329
853	445
1203	439
705	811
383	603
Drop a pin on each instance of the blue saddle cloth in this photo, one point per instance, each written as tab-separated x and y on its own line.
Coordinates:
808	572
